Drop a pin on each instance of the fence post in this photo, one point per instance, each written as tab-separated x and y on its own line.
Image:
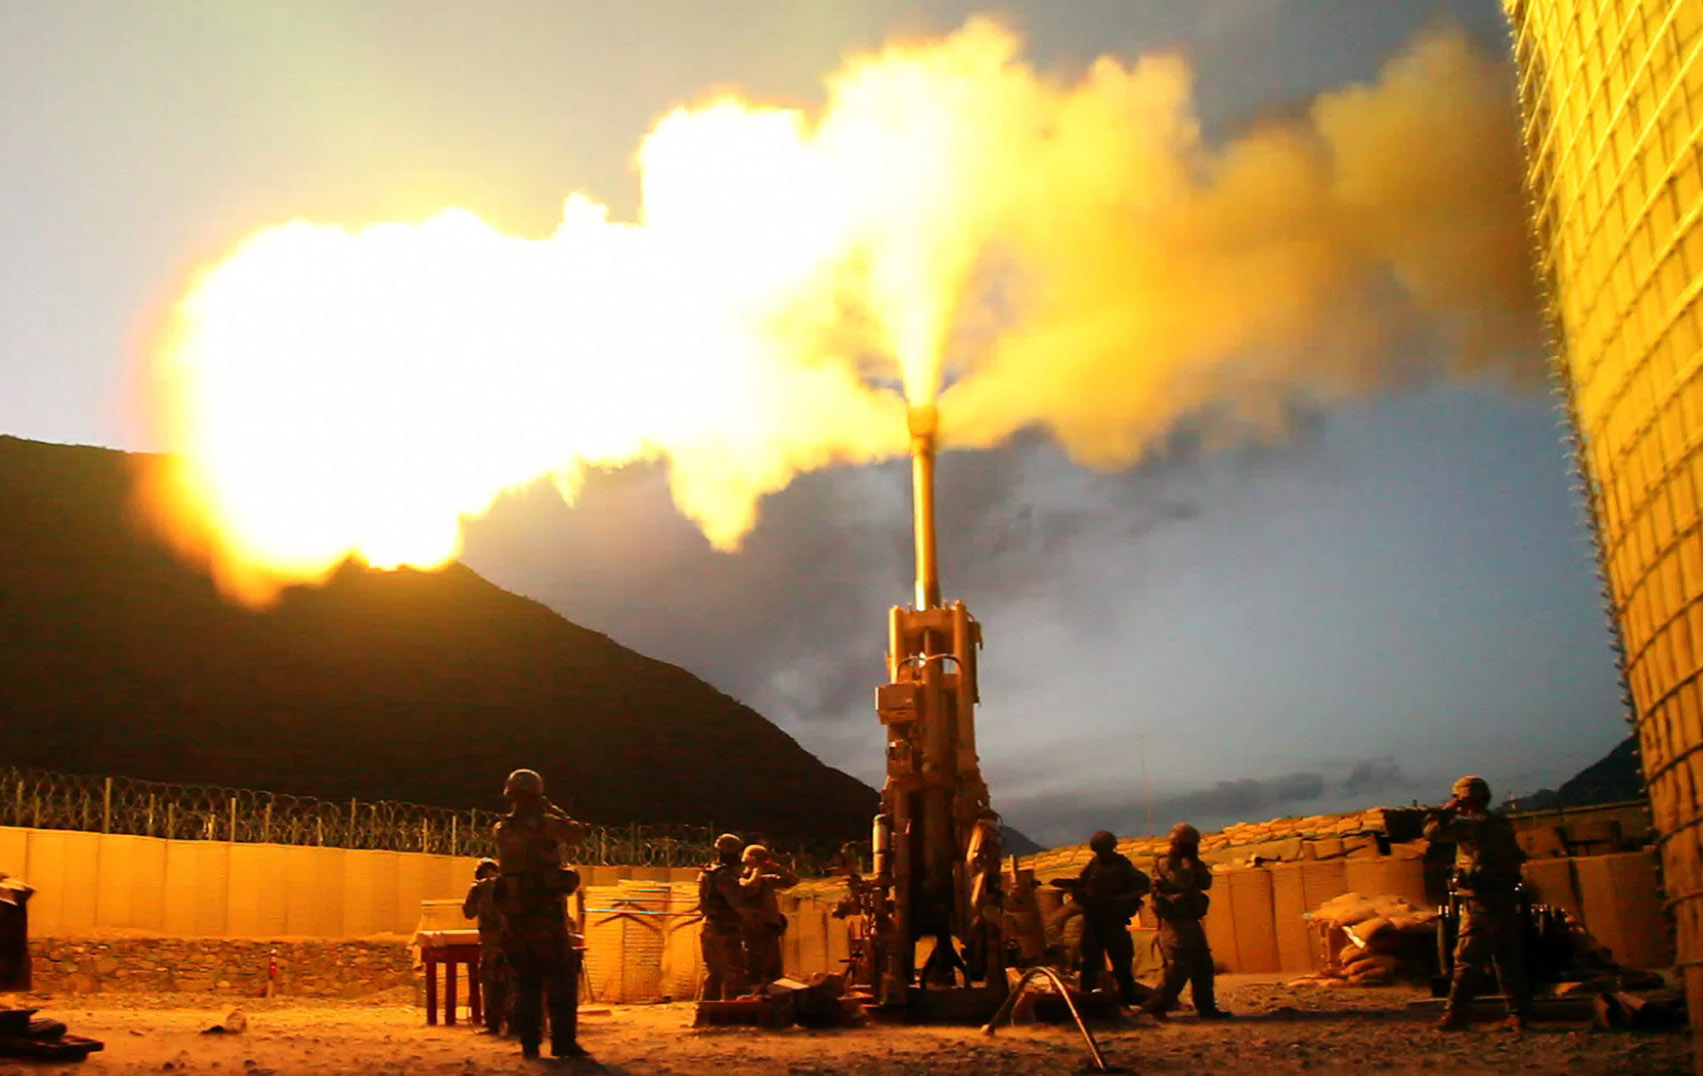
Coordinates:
20	802
453	819
231	832
88	823
349	841
319	824
151	802
106	807
425	845
266	823
171	820
35	809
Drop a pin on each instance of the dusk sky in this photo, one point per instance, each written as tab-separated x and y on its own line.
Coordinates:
1349	607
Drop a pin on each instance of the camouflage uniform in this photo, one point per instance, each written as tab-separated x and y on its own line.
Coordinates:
1110	889
763	922
481	904
1487	873
720	898
541	957
1180	883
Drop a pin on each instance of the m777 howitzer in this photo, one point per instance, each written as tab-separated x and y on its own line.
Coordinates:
936	875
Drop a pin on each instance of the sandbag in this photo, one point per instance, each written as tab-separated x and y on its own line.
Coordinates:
1363	933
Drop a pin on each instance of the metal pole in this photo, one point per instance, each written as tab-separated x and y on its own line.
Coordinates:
231	832
453	819
171	819
1146	788
152	802
266	823
106	807
1010	1003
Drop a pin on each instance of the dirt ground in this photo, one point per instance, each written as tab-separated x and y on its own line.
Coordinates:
1278	1030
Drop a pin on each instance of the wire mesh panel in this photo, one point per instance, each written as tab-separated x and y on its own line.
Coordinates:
1612	98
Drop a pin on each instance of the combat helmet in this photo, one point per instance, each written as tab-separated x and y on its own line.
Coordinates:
523	783
486	864
1472	787
728	843
1183	833
1103	840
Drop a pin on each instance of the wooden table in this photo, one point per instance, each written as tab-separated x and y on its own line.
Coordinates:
450	950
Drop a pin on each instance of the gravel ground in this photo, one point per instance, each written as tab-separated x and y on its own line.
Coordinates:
1278	1030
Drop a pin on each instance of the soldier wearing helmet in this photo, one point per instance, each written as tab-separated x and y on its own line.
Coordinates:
481	904
1180	882
722	940
761	883
533	840
1109	891
1486	882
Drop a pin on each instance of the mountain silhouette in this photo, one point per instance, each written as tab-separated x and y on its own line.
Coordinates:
117	657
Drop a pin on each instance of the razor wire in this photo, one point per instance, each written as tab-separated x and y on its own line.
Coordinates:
42	799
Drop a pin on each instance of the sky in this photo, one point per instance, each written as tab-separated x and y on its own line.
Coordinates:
1379	594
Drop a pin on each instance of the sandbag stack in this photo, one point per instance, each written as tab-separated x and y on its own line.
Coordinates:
1370	941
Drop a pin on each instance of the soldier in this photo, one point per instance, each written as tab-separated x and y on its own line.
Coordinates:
540	954
481	904
1180	882
720	898
1487	875
1109	890
763	922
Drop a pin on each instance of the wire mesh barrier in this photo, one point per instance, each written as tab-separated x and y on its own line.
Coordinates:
46	800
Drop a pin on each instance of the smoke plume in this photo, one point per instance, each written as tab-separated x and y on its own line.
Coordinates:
1035	254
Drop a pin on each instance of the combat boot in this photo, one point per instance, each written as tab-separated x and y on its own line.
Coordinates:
1453	1020
1215	1014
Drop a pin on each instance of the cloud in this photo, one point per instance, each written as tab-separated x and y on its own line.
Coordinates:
1377	775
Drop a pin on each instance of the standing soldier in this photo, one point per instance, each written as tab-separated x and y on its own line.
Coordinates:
1487	874
764	924
1180	882
1109	889
542	960
481	904
720	898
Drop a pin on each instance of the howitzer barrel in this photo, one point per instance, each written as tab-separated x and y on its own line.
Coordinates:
922	422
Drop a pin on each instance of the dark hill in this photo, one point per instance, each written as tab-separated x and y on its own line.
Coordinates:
117	658
1615	778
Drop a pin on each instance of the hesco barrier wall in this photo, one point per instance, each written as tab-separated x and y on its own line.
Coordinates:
108	881
91	882
1612	96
